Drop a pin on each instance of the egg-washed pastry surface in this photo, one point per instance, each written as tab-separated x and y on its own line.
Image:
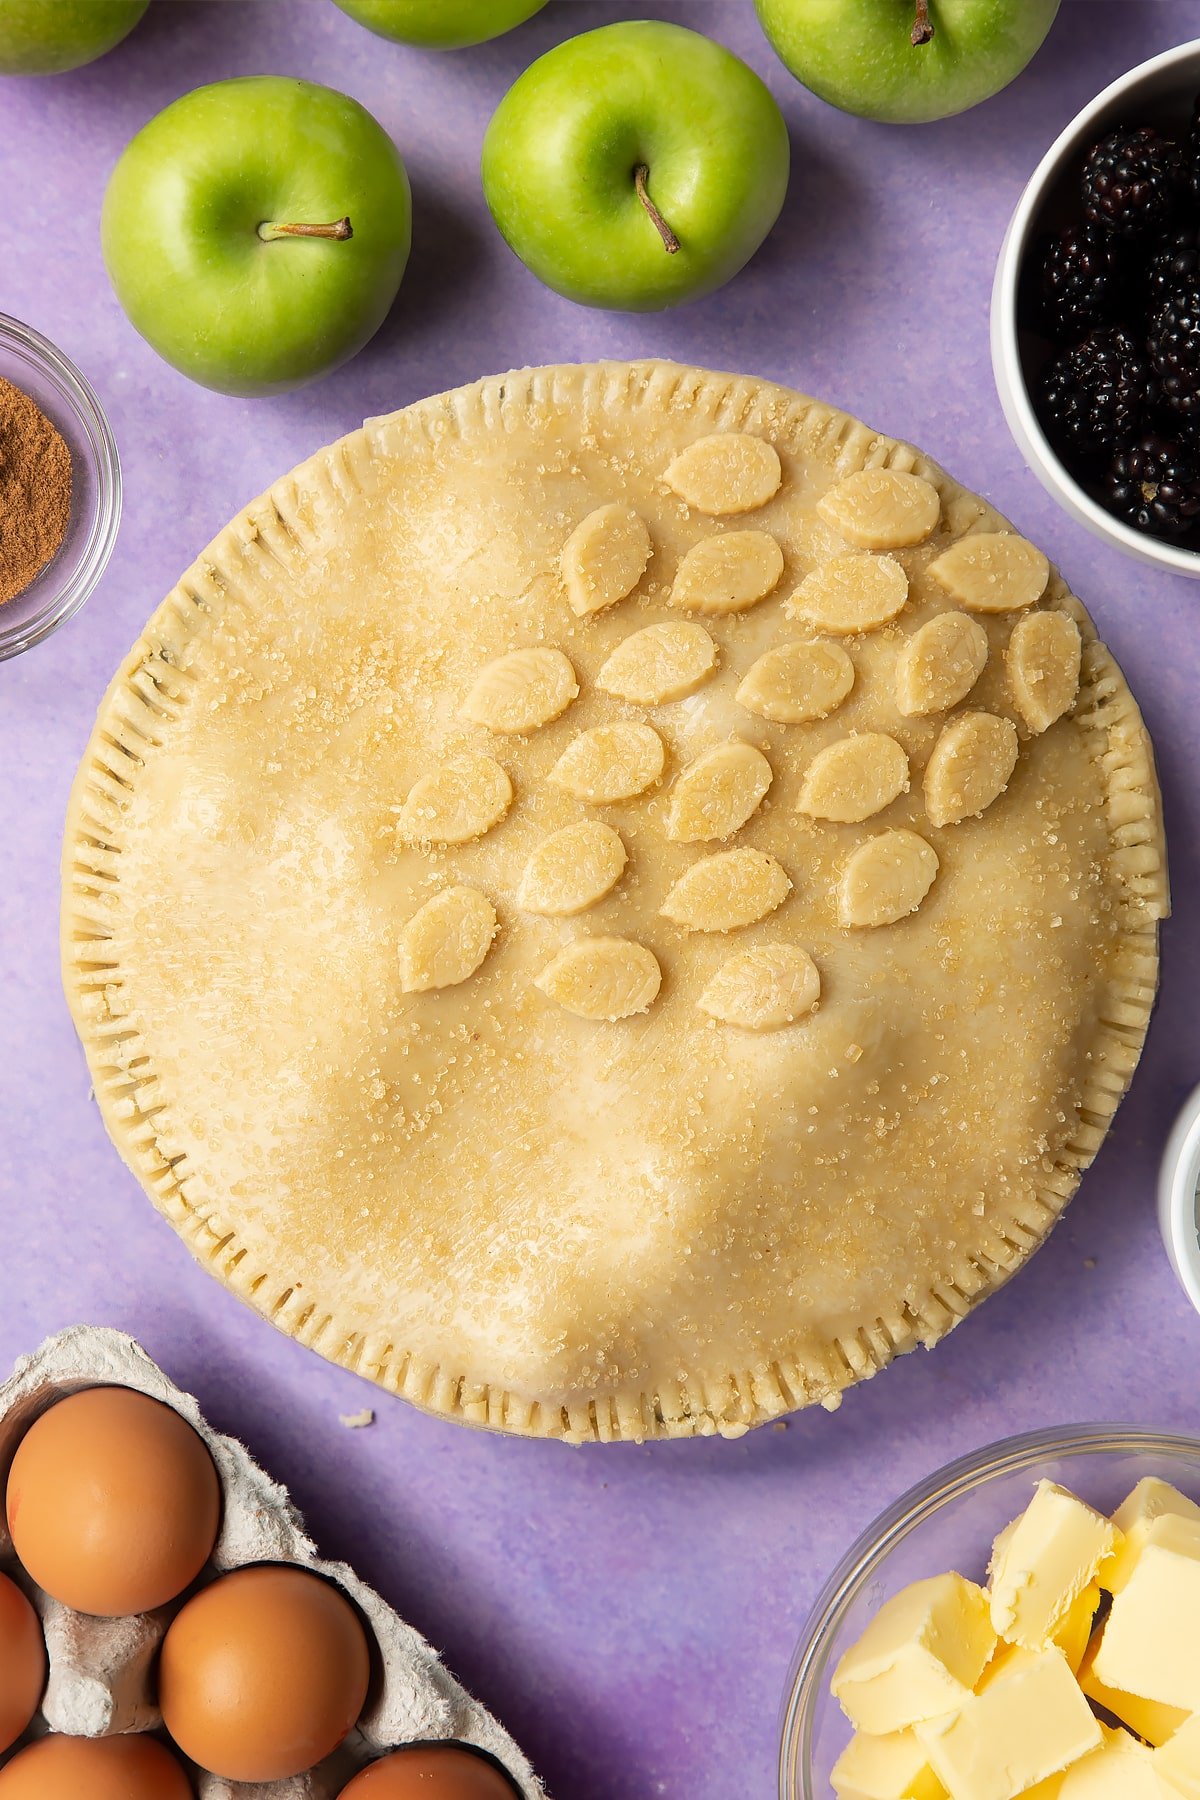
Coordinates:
614	900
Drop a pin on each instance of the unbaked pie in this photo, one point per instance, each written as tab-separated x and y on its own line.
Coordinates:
613	901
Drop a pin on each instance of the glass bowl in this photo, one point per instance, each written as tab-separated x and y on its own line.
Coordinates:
949	1522
31	362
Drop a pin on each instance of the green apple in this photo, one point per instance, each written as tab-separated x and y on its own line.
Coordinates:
256	232
441	24
636	166
906	61
48	37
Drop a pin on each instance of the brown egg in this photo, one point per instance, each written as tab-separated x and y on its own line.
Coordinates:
113	1502
117	1768
263	1673
430	1772
22	1662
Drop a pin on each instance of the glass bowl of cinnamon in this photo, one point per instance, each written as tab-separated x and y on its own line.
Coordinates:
60	488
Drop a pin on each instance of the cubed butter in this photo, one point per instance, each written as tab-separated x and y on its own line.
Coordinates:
1178	1762
1073	1634
1002	1654
1150	1645
1122	1769
1050	1789
1043	1562
1001	1542
1151	1499
920	1656
1148	1718
1028	1722
894	1767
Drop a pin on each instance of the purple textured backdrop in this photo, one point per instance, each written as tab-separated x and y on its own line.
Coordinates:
630	1613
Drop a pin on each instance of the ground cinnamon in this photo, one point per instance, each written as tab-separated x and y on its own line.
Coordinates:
35	490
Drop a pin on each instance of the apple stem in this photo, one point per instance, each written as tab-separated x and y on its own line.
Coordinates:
670	242
338	228
922	29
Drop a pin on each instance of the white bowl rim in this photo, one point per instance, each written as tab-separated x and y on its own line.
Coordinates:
961	1476
1178	1182
1006	360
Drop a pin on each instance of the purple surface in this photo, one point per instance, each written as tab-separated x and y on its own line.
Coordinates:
630	1613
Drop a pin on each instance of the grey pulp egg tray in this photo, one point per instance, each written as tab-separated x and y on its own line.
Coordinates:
101	1680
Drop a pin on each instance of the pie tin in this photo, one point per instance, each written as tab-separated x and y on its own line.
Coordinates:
1179	1198
31	362
948	1522
1159	92
101	1681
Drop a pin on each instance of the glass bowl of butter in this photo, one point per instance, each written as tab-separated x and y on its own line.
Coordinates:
1026	1622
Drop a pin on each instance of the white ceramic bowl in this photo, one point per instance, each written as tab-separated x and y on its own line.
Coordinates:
1159	92
1179	1198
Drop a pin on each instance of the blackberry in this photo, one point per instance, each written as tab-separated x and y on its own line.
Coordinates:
1132	182
1191	153
1094	395
1080	283
1154	485
1174	345
1173	262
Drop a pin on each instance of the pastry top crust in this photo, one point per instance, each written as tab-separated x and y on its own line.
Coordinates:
649	1082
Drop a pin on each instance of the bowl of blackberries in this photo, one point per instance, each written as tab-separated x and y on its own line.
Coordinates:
1096	315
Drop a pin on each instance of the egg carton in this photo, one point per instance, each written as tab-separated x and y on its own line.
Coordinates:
101	1681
